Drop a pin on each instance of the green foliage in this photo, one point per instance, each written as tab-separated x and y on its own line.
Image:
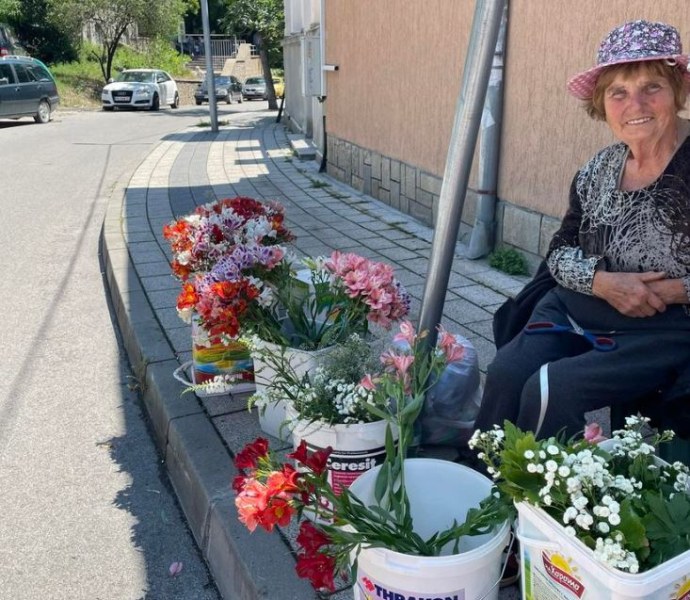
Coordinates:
44	31
266	17
8	10
509	261
159	55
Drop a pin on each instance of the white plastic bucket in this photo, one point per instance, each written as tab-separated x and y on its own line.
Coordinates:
558	567
440	492
356	448
273	416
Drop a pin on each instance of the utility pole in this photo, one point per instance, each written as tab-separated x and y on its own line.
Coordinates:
468	112
210	82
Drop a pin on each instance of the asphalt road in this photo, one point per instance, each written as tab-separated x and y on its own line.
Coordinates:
86	511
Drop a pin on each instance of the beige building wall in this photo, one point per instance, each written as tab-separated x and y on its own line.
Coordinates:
546	134
390	105
400	67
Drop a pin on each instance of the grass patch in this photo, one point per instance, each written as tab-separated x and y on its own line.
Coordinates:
208	123
509	261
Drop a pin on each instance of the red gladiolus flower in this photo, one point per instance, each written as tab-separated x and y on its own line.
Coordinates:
300	454
251	504
311	538
318	461
278	512
238	483
318	569
278	484
248	456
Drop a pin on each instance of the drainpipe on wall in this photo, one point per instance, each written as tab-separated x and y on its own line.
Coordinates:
482	238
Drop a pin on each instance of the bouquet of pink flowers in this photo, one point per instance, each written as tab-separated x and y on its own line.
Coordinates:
199	240
330	300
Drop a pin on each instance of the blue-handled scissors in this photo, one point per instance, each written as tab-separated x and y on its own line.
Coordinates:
600	343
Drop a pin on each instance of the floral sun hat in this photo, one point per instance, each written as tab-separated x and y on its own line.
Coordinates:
632	42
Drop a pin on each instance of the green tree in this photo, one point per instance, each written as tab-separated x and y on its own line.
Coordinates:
8	9
45	31
112	18
264	20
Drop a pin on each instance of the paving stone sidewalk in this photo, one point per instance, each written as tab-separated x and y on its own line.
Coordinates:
197	436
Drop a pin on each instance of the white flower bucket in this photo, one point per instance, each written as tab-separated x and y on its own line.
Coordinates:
440	492
272	417
356	448
555	565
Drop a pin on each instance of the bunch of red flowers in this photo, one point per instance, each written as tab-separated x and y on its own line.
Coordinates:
200	239
273	493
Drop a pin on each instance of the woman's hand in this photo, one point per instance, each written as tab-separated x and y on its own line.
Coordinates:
632	294
671	291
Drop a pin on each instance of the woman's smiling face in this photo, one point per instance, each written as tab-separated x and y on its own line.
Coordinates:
640	107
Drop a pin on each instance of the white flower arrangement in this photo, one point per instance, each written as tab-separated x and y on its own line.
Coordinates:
630	508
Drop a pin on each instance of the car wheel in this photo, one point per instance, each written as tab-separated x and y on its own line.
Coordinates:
43	113
156	103
198	102
176	101
108	108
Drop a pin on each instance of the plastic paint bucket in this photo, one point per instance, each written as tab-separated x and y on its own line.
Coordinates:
440	492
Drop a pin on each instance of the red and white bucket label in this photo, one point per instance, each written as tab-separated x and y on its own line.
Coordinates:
368	588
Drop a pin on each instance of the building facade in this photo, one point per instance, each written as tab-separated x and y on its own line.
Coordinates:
392	72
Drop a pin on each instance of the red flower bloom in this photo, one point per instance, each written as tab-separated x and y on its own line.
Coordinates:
251	504
247	457
300	454
238	483
318	568
318	461
311	538
278	512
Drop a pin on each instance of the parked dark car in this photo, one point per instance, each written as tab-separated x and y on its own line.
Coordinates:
9	45
228	89
27	89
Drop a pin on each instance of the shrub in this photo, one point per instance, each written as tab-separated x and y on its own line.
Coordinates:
509	261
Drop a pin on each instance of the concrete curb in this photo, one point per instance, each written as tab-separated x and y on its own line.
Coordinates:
196	459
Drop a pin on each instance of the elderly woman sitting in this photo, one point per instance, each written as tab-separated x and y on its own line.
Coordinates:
621	258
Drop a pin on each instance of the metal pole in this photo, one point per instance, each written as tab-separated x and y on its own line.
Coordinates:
468	111
210	83
482	238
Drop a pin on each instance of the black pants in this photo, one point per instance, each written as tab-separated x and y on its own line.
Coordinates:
649	354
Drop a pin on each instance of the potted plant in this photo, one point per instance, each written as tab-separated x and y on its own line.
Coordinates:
198	242
313	310
596	515
386	510
328	407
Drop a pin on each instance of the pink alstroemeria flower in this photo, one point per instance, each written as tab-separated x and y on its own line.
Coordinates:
407	333
593	433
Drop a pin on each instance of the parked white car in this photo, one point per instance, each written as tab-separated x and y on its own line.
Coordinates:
141	88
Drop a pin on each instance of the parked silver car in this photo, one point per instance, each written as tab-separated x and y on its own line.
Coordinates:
141	88
27	89
254	87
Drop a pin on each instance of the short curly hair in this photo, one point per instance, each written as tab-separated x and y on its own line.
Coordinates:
672	73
